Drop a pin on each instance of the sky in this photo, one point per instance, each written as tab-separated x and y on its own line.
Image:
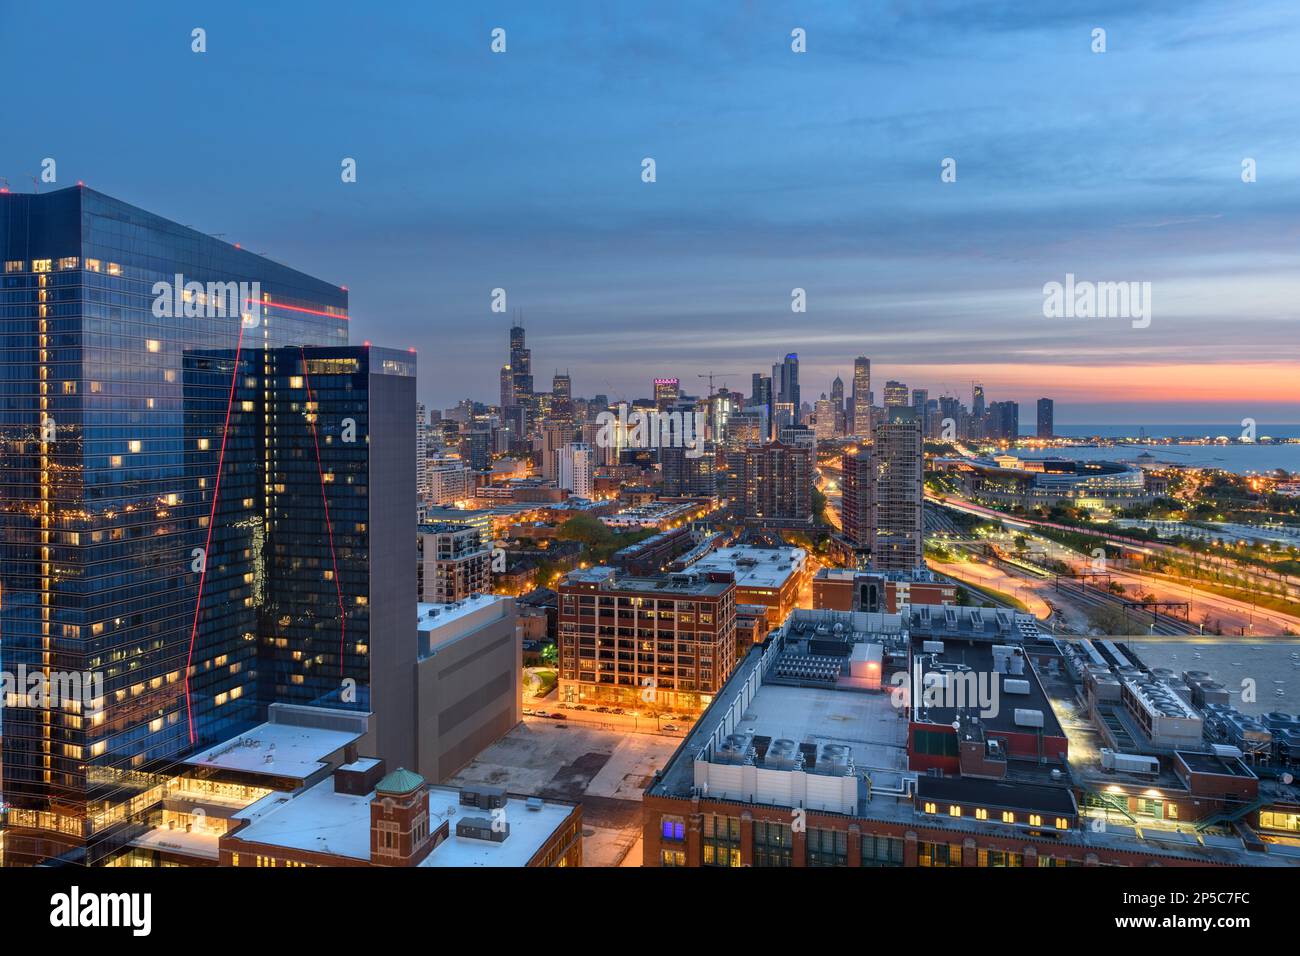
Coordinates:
774	170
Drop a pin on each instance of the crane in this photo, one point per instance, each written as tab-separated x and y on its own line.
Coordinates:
712	375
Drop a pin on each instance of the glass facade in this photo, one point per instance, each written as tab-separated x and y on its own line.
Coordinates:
146	427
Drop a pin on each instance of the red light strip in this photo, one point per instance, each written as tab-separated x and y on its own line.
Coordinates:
329	527
295	308
207	546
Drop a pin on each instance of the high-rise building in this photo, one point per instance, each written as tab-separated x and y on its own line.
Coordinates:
667	391
562	398
575	467
921	402
778	485
785	379
855	500
1046	414
1004	421
896	395
861	400
667	641
977	401
825	414
895	497
454	563
688	473
421	450
186	508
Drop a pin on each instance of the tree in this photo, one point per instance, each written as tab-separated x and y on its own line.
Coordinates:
550	655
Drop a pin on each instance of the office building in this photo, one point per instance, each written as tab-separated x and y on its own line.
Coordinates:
667	641
667	391
861	396
186	478
689	472
896	395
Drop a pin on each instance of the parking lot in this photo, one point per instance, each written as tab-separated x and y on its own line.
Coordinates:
576	759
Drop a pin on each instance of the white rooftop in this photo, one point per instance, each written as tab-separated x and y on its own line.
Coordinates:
282	750
755	567
439	624
324	821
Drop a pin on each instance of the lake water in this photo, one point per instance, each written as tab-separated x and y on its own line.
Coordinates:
1239	459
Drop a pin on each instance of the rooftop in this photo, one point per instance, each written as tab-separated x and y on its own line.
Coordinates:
322	820
276	749
755	567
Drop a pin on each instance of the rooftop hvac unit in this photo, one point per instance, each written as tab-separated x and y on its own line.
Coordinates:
482	828
483	798
932	647
783	754
1016	686
1029	718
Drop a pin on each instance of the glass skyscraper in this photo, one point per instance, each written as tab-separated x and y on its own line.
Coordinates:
190	501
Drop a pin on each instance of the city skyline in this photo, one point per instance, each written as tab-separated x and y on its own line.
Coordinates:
774	182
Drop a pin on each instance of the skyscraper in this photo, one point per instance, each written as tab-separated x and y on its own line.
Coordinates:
667	391
861	396
896	395
785	379
562	398
181	519
1046	414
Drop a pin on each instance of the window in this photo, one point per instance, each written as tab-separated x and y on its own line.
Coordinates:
1035	820
673	828
1062	823
721	840
881	850
672	857
981	813
954	810
41	265
1008	816
92	265
931	807
938	855
828	847
772	844
14	265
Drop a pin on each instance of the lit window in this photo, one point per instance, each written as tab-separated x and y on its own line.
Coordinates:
114	269
115	461
41	265
931	808
92	265
954	810
133	445
153	345
203	444
1062	823
1035	820
981	814
68	262
14	265
1008	816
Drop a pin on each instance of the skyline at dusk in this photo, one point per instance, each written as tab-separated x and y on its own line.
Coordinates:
774	172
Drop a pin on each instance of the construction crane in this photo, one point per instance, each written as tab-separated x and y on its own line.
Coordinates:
712	375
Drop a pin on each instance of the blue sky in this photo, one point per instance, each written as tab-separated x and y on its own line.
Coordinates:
775	170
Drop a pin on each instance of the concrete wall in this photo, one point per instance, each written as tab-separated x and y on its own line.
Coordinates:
468	692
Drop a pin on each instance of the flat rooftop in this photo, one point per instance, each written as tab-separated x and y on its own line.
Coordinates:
438	625
676	584
755	567
978	656
321	820
280	750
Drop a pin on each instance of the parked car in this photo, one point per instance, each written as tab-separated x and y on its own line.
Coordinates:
541	713
602	710
528	712
671	727
559	716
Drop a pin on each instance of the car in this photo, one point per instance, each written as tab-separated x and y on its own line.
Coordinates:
541	713
602	710
579	706
671	727
559	716
528	712
617	710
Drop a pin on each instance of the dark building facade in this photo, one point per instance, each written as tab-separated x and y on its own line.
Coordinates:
169	441
778	485
1046	416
